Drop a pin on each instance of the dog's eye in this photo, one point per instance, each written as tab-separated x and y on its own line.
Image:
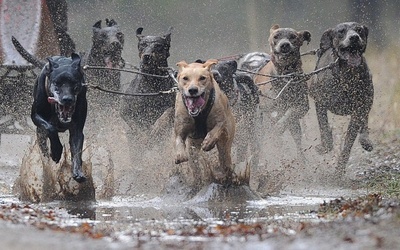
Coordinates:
185	78
359	30
292	36
341	32
276	37
202	78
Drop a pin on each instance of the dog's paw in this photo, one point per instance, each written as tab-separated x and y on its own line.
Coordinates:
56	152
366	144
322	149
208	143
181	158
79	177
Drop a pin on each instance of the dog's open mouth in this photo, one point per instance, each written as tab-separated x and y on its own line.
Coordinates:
352	55
194	104
64	112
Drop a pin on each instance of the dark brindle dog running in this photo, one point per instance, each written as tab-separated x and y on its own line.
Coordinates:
284	112
59	105
345	89
106	50
143	111
243	98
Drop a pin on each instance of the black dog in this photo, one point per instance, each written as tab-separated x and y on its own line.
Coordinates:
143	111
346	89
59	105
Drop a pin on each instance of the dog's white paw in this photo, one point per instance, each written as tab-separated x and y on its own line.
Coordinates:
208	143
181	157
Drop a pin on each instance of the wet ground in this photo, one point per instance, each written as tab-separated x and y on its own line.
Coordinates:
301	208
300	219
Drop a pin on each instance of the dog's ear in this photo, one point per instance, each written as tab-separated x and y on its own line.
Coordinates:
139	32
273	28
51	65
326	40
97	25
167	36
181	65
76	61
365	28
111	22
209	63
305	36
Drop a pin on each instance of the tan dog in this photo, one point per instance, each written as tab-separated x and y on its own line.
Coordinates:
285	111
203	115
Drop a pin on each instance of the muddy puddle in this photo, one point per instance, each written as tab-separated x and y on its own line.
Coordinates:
147	223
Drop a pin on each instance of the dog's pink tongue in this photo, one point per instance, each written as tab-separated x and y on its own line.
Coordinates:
108	62
353	59
194	103
51	100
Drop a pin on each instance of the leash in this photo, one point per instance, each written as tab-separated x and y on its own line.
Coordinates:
298	77
165	92
89	67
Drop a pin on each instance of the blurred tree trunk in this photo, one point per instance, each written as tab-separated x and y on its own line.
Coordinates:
251	17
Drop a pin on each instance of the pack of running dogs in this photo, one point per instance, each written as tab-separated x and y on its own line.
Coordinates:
208	100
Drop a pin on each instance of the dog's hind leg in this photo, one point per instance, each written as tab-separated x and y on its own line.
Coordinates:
326	144
76	142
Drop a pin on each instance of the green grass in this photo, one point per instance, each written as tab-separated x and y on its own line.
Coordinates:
387	184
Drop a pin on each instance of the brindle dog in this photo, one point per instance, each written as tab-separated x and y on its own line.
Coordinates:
106	51
143	111
243	98
345	89
285	111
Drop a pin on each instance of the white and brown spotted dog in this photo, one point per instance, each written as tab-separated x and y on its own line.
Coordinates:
284	112
203	117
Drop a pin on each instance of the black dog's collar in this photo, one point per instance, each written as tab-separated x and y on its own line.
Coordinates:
200	121
47	86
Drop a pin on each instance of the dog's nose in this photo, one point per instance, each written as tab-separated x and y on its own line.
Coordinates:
285	47
193	91
146	57
354	38
67	100
116	45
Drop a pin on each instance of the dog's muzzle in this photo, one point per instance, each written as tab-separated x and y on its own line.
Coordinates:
194	104
351	50
64	111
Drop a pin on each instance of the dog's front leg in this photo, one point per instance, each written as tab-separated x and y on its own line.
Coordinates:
44	129
225	173
212	137
326	144
295	131
352	131
180	147
76	138
364	135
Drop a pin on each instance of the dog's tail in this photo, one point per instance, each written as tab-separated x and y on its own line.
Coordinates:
26	55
